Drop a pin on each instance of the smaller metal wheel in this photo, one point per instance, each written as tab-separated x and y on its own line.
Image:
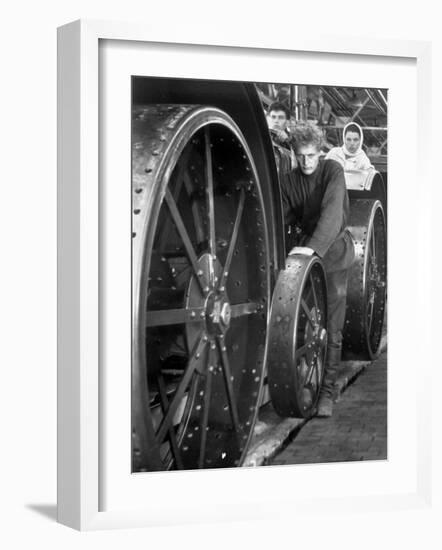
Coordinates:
366	294
297	337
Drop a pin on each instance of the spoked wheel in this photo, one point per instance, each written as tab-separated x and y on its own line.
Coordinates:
366	293
201	284
297	337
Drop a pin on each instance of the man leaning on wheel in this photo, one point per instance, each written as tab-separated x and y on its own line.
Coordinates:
315	200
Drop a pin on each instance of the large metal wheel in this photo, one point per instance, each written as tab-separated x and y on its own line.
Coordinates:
366	293
297	337
201	288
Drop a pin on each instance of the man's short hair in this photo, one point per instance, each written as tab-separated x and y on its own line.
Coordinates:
307	133
353	128
278	106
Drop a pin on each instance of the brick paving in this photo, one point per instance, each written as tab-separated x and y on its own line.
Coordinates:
356	431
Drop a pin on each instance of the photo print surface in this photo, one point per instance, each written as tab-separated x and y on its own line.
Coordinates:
259	274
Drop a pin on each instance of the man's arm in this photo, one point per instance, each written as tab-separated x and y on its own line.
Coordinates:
287	205
332	211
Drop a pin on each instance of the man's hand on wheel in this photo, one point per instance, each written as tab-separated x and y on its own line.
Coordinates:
301	250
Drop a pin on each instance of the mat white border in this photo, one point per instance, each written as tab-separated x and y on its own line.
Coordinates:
78	259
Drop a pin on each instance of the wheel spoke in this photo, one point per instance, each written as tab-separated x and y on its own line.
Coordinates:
206	409
176	193
307	313
301	351
209	199
228	384
238	310
308	377
171	430
198	223
233	237
315	298
164	317
184	382
183	234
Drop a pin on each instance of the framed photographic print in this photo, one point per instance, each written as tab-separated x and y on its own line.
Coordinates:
211	198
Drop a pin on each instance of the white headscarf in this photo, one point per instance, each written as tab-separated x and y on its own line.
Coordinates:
361	133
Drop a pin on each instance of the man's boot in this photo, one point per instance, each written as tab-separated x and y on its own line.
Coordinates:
333	359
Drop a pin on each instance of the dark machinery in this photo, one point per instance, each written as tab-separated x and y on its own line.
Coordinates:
214	303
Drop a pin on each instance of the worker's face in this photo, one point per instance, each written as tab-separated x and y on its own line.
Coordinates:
352	141
277	120
308	158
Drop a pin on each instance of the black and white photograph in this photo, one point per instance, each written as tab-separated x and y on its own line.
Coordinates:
221	275
259	274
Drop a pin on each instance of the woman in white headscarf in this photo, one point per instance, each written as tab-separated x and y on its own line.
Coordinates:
351	155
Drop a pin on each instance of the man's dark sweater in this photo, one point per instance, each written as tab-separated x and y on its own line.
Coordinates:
318	204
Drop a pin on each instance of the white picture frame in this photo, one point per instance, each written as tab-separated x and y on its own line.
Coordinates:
79	278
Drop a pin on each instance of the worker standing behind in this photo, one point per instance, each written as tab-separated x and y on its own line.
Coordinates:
315	200
351	155
278	117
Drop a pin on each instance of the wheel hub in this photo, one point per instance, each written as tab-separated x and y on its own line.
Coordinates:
218	313
214	304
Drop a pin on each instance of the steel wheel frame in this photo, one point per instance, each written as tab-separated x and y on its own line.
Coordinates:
366	294
298	337
158	443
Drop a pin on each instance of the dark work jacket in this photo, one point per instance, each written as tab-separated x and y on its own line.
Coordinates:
318	205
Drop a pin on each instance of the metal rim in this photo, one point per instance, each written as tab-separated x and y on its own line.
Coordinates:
366	294
298	337
201	286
